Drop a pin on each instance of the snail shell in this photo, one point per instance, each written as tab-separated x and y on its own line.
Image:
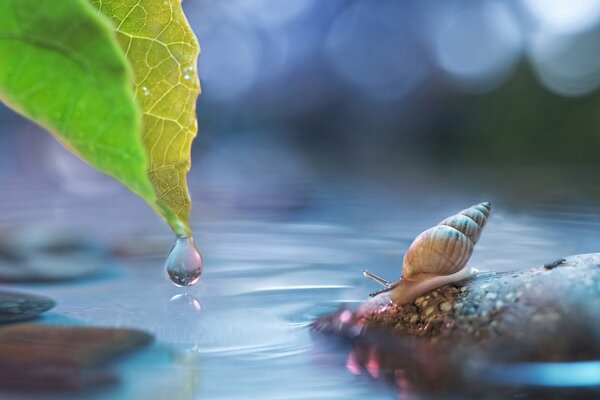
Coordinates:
445	248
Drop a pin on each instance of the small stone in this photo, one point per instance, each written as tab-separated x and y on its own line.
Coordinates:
555	264
445	307
15	306
37	356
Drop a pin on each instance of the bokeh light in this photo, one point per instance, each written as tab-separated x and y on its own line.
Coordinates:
478	46
371	50
564	16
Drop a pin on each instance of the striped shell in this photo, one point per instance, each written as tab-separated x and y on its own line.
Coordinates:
446	248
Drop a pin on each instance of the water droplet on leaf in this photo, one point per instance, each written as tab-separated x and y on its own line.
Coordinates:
145	90
184	263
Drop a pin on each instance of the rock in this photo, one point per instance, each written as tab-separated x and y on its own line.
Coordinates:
47	255
15	306
518	304
36	356
462	332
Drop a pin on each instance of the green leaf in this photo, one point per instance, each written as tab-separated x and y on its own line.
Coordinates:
61	66
123	102
163	51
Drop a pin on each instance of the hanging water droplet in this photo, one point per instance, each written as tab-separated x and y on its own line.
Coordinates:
184	263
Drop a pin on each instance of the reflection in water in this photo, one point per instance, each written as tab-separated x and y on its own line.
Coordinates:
549	374
183	316
185	301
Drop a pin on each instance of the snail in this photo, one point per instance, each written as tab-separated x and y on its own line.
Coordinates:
437	256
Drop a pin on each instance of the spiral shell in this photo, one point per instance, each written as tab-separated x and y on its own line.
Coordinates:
446	248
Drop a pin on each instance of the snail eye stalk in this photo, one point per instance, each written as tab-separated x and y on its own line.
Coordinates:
383	282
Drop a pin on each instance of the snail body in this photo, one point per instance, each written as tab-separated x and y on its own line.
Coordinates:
438	256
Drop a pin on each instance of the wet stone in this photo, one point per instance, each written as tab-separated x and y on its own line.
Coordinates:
36	356
546	314
15	306
552	319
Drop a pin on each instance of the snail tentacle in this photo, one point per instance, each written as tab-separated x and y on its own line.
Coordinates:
377	278
388	285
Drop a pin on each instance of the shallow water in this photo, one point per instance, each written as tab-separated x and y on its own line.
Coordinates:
243	331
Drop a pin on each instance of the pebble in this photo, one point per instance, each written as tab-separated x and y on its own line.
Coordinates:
15	306
37	356
46	255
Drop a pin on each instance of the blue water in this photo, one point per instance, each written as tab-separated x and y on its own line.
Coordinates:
269	271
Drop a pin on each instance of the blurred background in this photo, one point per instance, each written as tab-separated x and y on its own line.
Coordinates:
504	91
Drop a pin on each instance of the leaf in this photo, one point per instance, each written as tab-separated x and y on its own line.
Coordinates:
163	51
61	66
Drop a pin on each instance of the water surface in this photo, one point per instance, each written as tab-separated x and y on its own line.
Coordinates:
243	330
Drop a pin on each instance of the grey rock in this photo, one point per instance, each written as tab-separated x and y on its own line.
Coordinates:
489	337
15	306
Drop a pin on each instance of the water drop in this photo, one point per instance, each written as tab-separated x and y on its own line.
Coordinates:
145	90
186	77
184	263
